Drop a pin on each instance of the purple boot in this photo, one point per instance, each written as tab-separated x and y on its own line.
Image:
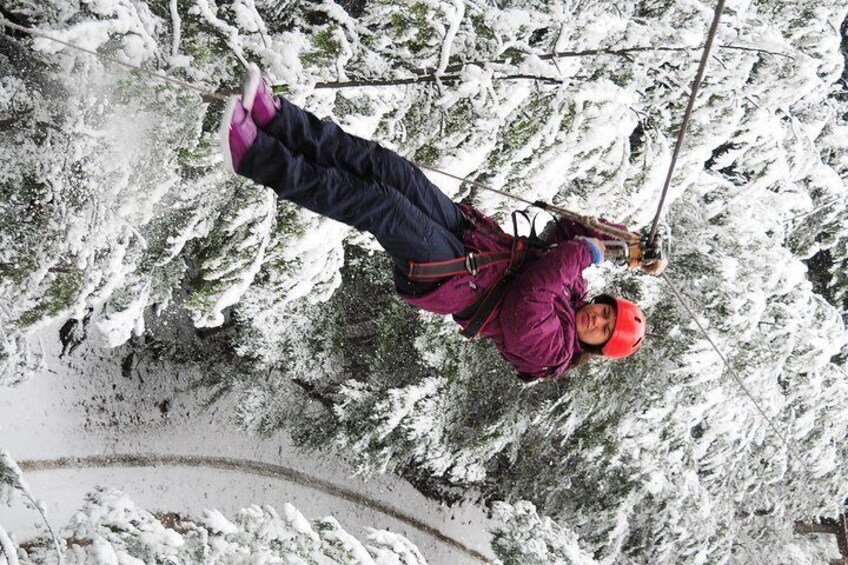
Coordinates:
258	98
238	132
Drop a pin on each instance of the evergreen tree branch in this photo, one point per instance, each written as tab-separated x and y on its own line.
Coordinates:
625	52
389	82
771	423
757	50
431	78
827	204
430	75
7	548
40	508
312	392
11	475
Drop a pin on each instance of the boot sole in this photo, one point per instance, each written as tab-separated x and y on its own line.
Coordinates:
224	133
252	81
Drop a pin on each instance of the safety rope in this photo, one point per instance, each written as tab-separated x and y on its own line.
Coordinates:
731	370
585	220
166	78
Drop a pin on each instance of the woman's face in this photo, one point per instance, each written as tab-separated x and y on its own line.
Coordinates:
595	323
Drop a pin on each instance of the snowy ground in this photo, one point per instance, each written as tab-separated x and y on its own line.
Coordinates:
82	406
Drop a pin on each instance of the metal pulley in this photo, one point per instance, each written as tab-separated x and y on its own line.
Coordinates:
654	253
636	251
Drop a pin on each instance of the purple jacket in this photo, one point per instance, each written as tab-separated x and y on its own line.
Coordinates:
533	328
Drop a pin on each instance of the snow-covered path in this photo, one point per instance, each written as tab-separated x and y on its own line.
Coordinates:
82	407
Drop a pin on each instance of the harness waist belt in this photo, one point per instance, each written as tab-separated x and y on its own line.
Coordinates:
481	312
471	264
486	306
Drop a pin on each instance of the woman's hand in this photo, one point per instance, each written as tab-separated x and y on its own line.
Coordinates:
636	258
652	266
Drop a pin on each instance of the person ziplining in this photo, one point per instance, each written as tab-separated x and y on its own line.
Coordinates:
645	253
449	258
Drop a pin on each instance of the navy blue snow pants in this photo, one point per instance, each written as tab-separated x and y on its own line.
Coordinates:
315	164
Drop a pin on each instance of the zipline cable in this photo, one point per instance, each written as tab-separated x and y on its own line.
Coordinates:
696	85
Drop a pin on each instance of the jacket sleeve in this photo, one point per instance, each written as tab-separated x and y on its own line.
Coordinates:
538	334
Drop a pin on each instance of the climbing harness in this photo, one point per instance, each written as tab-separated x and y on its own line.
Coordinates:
485	310
482	311
471	263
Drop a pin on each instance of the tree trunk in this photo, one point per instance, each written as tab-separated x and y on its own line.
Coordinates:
824	526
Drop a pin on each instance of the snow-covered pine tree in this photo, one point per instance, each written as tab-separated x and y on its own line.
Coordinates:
614	448
110	528
658	460
818	234
114	194
531	539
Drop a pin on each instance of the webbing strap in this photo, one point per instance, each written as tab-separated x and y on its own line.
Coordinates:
485	309
471	263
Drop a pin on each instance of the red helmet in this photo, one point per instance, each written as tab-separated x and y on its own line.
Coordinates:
629	331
